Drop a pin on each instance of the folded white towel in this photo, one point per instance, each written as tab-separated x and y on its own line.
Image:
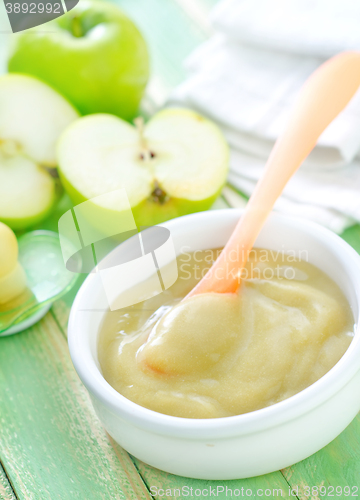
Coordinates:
250	93
320	28
330	218
325	197
250	87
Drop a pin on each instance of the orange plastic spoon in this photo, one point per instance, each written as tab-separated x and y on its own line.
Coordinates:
323	96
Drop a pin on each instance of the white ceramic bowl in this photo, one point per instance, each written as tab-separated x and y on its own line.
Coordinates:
246	445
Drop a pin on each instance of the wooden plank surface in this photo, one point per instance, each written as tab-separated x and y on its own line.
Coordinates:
337	465
6	491
52	446
352	236
177	487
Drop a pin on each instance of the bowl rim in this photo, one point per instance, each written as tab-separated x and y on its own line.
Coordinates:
222	427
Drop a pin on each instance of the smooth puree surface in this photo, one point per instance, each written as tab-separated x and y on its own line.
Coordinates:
220	355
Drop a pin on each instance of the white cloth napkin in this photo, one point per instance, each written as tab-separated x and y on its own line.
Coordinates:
320	28
247	77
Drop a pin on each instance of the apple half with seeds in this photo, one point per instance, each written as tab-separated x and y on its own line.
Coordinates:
32	116
174	165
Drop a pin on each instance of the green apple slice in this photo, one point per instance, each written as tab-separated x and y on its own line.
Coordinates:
32	116
27	191
176	165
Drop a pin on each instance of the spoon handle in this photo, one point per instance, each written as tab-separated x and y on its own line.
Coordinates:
323	96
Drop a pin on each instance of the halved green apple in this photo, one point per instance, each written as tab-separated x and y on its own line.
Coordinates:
175	165
32	116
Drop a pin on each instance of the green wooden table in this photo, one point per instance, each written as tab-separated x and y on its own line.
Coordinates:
52	445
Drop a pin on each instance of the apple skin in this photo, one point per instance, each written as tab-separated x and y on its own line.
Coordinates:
25	223
106	70
28	222
148	213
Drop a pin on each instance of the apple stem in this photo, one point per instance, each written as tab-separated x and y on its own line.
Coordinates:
145	153
76	28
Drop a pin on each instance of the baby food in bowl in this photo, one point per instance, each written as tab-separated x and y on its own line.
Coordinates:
245	445
220	355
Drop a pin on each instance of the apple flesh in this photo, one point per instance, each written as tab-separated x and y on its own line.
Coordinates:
12	285
94	55
12	275
8	250
177	164
32	116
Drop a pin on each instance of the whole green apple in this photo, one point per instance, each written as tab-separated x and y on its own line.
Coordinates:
93	55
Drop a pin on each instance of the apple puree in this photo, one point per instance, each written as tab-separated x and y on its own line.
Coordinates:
221	355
